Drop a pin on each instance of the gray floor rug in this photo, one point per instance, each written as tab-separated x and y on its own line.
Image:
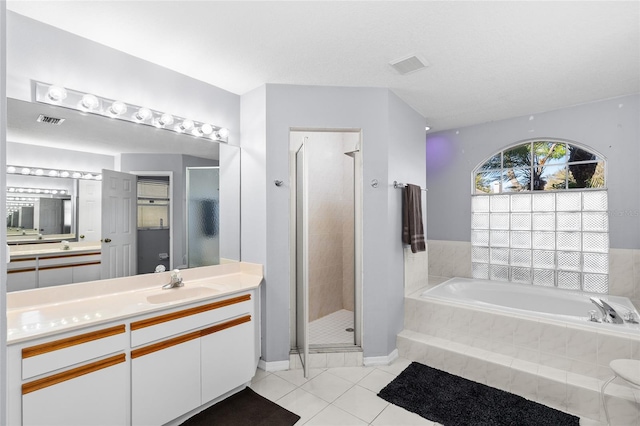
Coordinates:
245	408
455	401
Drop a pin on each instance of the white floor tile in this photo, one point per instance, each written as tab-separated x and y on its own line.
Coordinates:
260	374
351	374
362	403
376	380
272	387
327	386
396	416
303	404
333	416
396	366
296	377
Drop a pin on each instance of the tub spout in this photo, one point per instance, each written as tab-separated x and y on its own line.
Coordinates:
608	313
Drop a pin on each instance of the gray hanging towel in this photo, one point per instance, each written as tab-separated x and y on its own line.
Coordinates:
412	230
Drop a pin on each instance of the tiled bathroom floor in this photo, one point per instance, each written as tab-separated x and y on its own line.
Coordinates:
331	329
341	396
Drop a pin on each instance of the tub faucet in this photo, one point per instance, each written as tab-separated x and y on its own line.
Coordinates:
608	313
176	280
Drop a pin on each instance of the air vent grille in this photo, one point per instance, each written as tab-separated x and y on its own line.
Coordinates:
409	64
50	120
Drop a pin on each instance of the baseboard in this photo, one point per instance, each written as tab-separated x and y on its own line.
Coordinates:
273	365
370	361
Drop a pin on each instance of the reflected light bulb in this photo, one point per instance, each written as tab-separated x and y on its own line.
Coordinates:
25	171
143	114
223	133
76	175
39	172
89	101
165	120
64	174
57	93
11	169
53	173
118	108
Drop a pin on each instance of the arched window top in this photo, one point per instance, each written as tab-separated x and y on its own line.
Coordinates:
540	165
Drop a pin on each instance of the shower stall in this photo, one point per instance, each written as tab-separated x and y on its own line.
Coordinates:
327	212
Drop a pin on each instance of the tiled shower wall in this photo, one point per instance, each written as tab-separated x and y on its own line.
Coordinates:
330	223
453	259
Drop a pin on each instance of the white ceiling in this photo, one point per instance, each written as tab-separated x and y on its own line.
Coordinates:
488	60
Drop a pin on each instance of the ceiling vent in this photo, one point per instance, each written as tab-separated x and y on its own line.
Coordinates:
409	64
50	120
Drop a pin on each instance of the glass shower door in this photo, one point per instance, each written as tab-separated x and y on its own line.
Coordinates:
203	216
302	260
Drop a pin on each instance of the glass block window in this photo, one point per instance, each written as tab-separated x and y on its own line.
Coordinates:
539	216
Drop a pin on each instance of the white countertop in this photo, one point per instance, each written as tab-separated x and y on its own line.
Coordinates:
41	249
42	312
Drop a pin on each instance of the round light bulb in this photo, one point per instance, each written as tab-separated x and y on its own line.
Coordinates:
57	93
25	171
64	174
39	172
206	129
118	108
87	176
30	190
53	173
223	133
54	191
186	125
143	114
165	120
90	101
37	191
11	169
46	191
98	177
62	191
12	190
76	175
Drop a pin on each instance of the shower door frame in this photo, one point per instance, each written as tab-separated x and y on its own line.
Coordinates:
358	229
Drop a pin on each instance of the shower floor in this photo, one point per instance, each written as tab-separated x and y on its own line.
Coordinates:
331	329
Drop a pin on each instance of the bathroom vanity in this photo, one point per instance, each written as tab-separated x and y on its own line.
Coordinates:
125	351
49	264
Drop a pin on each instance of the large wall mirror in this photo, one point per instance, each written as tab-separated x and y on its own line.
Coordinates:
64	217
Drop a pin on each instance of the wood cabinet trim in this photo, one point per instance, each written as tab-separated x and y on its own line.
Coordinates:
187	312
15	271
68	265
72	341
146	350
164	344
64	256
72	374
228	324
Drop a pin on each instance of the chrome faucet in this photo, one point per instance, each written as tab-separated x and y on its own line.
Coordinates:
608	313
176	280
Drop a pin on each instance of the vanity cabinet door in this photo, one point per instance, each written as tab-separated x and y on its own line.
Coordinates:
227	352
165	380
88	395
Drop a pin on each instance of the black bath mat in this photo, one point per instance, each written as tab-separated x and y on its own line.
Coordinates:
245	408
455	401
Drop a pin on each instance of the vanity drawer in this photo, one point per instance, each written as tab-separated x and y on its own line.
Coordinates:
163	326
62	353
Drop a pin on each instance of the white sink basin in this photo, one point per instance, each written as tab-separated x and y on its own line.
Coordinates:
180	293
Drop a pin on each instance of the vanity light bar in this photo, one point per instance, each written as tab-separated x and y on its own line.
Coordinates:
35	191
38	171
112	108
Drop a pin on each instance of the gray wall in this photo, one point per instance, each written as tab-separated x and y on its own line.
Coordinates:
610	127
44	53
377	112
